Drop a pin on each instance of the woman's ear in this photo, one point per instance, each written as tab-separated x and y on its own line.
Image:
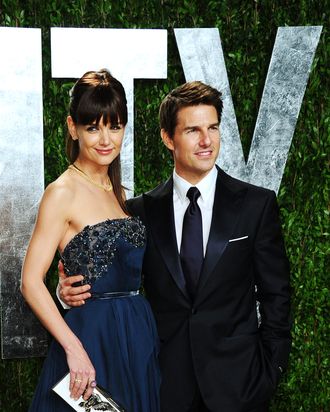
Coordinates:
72	128
168	142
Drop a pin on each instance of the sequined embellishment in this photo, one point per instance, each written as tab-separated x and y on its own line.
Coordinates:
92	250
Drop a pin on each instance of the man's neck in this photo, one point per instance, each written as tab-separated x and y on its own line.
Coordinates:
193	180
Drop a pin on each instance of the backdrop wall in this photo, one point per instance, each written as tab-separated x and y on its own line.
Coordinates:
248	30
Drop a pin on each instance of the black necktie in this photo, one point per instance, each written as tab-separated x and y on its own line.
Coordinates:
191	252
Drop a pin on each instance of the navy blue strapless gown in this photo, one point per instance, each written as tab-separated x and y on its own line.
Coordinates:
118	332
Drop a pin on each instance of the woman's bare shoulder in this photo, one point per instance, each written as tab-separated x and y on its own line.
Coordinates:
61	192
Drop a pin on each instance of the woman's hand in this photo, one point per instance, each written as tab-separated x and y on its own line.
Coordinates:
82	372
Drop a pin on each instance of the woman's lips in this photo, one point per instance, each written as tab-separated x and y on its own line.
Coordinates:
104	152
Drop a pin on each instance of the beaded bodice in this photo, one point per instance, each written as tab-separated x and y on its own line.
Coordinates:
109	254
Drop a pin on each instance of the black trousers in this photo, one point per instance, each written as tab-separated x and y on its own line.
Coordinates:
199	406
262	408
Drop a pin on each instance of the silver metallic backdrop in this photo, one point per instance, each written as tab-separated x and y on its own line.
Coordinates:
21	181
134	54
203	59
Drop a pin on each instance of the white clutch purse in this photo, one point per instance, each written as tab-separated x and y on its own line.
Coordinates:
100	400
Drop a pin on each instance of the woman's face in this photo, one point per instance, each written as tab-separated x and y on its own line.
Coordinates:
98	144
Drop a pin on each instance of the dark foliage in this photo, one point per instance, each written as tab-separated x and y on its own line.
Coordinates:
248	29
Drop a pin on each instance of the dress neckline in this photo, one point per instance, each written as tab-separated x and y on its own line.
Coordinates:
93	226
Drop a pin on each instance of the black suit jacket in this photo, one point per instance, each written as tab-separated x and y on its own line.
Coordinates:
215	342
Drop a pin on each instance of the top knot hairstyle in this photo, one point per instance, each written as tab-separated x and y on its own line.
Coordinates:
97	96
189	94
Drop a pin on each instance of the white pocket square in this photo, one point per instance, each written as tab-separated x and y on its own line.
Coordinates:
238	238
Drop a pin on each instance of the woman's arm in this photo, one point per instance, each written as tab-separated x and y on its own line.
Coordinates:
52	222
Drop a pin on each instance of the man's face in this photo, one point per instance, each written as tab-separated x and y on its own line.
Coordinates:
195	143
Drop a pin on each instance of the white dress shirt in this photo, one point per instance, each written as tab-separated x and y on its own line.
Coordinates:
205	201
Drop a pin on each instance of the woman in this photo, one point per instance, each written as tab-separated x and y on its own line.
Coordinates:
112	338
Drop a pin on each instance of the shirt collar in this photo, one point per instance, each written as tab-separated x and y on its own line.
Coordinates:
206	186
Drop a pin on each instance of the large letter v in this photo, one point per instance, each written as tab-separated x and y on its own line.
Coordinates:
202	59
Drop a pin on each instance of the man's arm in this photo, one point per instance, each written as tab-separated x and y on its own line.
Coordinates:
67	294
273	287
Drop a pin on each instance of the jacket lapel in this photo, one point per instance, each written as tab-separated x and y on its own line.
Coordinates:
160	216
226	209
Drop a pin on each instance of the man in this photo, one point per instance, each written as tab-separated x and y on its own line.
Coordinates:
209	259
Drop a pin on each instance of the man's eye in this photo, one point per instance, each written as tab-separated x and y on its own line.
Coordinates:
214	128
192	130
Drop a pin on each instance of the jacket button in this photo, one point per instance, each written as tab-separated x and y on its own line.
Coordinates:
193	311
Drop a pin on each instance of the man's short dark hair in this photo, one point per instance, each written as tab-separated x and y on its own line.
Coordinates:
188	94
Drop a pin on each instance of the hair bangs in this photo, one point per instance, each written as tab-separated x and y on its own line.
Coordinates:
101	103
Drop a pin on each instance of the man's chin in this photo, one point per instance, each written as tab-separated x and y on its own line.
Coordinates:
205	165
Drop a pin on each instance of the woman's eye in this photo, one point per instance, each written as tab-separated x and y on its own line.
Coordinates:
91	128
115	127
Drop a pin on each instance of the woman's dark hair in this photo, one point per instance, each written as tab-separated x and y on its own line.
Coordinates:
95	96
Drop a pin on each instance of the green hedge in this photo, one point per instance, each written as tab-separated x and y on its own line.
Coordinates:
248	30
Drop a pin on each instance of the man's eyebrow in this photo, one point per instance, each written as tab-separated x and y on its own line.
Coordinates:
198	127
